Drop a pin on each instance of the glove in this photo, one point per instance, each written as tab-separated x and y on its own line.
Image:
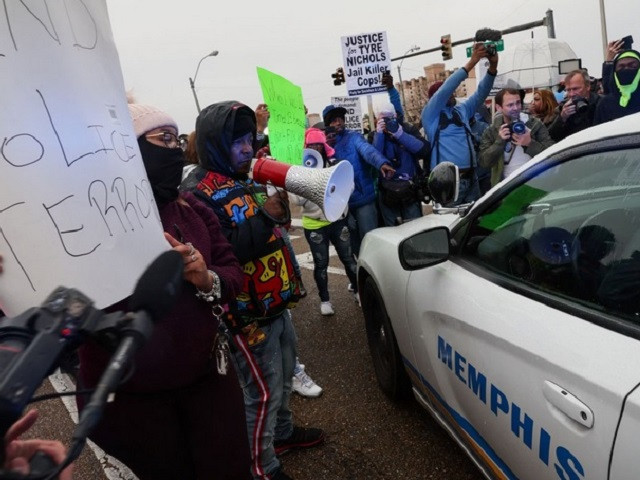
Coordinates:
398	132
380	125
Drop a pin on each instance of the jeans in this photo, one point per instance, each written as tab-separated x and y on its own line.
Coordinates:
361	220
338	234
469	191
264	359
408	212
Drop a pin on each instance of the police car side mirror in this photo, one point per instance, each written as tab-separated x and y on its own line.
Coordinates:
424	249
444	183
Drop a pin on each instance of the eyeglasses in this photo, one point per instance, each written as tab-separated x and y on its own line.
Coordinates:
169	139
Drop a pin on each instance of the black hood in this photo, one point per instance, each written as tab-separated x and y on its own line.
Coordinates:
214	134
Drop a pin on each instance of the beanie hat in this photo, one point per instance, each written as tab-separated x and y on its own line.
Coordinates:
315	135
330	112
385	110
244	122
433	89
146	118
626	90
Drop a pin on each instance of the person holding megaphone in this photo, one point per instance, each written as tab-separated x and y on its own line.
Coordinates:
263	339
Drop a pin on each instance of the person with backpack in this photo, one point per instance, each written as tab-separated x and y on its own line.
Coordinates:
446	123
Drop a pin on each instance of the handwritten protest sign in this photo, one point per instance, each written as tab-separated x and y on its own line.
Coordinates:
76	207
286	121
366	57
353	118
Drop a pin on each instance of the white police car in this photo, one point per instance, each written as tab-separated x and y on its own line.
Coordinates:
517	324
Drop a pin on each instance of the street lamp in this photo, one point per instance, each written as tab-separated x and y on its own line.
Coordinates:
192	81
415	48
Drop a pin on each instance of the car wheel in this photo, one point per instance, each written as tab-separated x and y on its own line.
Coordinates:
387	361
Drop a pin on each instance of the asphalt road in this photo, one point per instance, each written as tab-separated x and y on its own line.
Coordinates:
368	437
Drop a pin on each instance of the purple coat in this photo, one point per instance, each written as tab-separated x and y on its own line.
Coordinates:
177	354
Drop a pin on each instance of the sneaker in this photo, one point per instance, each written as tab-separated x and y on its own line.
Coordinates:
351	288
356	297
300	438
280	475
326	308
303	385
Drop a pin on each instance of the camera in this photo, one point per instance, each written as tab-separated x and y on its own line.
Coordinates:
518	127
391	123
627	42
491	48
580	102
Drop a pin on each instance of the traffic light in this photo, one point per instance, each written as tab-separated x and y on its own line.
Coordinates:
447	52
338	77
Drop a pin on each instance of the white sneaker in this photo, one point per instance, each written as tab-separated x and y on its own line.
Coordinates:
326	308
303	385
350	288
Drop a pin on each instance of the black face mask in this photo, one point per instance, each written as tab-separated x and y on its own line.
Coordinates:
626	76
164	169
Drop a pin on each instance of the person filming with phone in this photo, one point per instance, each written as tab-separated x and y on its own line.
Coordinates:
623	98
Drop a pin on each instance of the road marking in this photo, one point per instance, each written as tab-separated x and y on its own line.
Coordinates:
112	467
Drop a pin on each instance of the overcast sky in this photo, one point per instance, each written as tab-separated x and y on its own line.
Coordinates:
160	42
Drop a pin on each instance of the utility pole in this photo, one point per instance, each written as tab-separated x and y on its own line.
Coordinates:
415	48
603	29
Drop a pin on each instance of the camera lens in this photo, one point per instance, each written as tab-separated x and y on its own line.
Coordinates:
518	127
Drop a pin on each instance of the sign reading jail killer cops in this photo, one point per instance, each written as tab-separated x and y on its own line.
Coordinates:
366	57
286	117
76	207
353	118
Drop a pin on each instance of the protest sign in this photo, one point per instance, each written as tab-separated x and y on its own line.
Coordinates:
286	120
366	57
353	118
76	207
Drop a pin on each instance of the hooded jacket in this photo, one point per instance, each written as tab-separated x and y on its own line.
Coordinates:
609	107
269	282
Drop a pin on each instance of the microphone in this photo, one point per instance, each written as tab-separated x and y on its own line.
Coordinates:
159	285
154	295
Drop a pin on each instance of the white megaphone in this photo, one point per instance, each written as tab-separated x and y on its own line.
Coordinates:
329	188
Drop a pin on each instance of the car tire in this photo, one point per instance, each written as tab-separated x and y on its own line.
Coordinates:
387	361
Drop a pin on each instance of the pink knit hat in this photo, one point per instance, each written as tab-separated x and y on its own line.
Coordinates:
315	135
146	118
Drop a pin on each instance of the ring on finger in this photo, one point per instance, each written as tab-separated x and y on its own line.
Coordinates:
193	257
191	249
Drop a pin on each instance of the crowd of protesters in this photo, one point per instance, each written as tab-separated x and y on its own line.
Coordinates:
197	416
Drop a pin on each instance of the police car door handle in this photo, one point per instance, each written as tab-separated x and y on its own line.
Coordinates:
568	404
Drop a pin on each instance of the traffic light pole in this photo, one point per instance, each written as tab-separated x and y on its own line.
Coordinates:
546	21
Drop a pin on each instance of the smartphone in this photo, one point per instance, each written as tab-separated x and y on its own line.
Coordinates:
627	42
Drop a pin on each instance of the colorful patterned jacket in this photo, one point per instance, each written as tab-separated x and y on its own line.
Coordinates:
269	282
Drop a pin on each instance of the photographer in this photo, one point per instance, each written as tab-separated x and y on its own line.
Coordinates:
398	199
512	139
578	110
446	123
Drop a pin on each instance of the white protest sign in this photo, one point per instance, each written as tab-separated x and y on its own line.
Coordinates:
353	118
366	57
76	207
